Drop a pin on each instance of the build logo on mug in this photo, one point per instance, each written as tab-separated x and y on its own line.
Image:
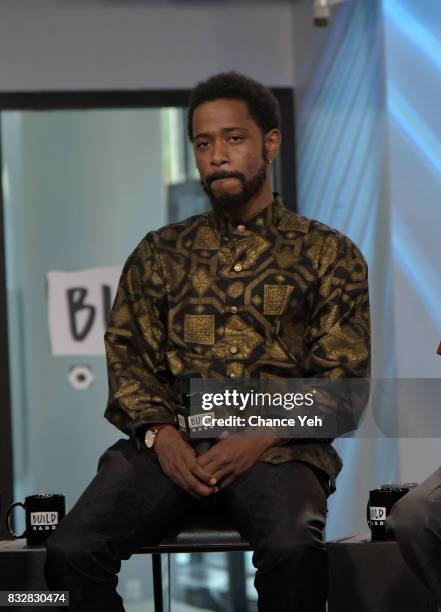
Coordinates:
43	513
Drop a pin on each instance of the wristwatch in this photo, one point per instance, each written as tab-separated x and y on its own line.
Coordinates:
151	433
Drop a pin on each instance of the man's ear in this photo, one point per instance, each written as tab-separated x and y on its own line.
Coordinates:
273	138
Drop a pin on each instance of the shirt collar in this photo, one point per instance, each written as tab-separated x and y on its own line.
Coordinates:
259	224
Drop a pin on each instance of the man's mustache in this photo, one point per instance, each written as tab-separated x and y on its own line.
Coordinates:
224	175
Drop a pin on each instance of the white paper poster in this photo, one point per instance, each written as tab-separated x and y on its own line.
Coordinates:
79	304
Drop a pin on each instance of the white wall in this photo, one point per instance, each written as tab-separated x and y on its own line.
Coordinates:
125	44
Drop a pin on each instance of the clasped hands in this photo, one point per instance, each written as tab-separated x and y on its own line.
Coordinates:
215	469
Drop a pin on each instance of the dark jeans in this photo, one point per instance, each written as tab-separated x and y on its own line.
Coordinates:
415	520
280	508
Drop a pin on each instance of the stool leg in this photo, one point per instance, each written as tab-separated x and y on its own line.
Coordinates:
157	582
237	579
167	606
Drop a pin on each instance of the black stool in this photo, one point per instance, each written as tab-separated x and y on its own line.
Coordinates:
209	531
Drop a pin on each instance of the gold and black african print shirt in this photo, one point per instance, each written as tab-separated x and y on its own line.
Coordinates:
276	296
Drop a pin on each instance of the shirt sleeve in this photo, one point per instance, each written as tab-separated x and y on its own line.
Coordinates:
339	330
139	377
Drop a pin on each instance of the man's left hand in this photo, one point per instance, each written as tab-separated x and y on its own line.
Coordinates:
229	457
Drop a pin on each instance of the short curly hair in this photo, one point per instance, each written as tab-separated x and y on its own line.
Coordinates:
262	104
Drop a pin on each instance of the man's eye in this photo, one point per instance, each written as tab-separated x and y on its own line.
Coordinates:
202	144
235	138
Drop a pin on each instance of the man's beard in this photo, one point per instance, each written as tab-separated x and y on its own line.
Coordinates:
231	202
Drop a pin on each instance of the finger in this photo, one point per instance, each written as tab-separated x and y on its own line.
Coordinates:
194	484
223	472
227	481
213	467
203	475
178	479
204	459
212	463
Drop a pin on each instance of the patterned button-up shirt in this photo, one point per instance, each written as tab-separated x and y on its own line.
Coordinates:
278	295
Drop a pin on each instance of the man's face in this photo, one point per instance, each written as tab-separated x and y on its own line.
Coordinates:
229	152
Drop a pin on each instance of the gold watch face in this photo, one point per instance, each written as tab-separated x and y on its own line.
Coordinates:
149	438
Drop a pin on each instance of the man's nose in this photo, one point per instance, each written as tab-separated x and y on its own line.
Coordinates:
219	154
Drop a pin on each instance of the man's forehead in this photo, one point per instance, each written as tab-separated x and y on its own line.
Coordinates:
221	114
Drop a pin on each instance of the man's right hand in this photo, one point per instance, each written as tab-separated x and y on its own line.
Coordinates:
178	460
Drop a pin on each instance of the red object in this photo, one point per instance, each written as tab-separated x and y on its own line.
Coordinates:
439	349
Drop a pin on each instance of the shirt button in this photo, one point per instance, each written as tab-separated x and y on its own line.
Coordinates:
241	228
237	267
233	309
233	349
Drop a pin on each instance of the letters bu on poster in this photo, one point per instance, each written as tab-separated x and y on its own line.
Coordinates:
79	304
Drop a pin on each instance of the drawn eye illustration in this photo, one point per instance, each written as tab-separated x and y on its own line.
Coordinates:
81	377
